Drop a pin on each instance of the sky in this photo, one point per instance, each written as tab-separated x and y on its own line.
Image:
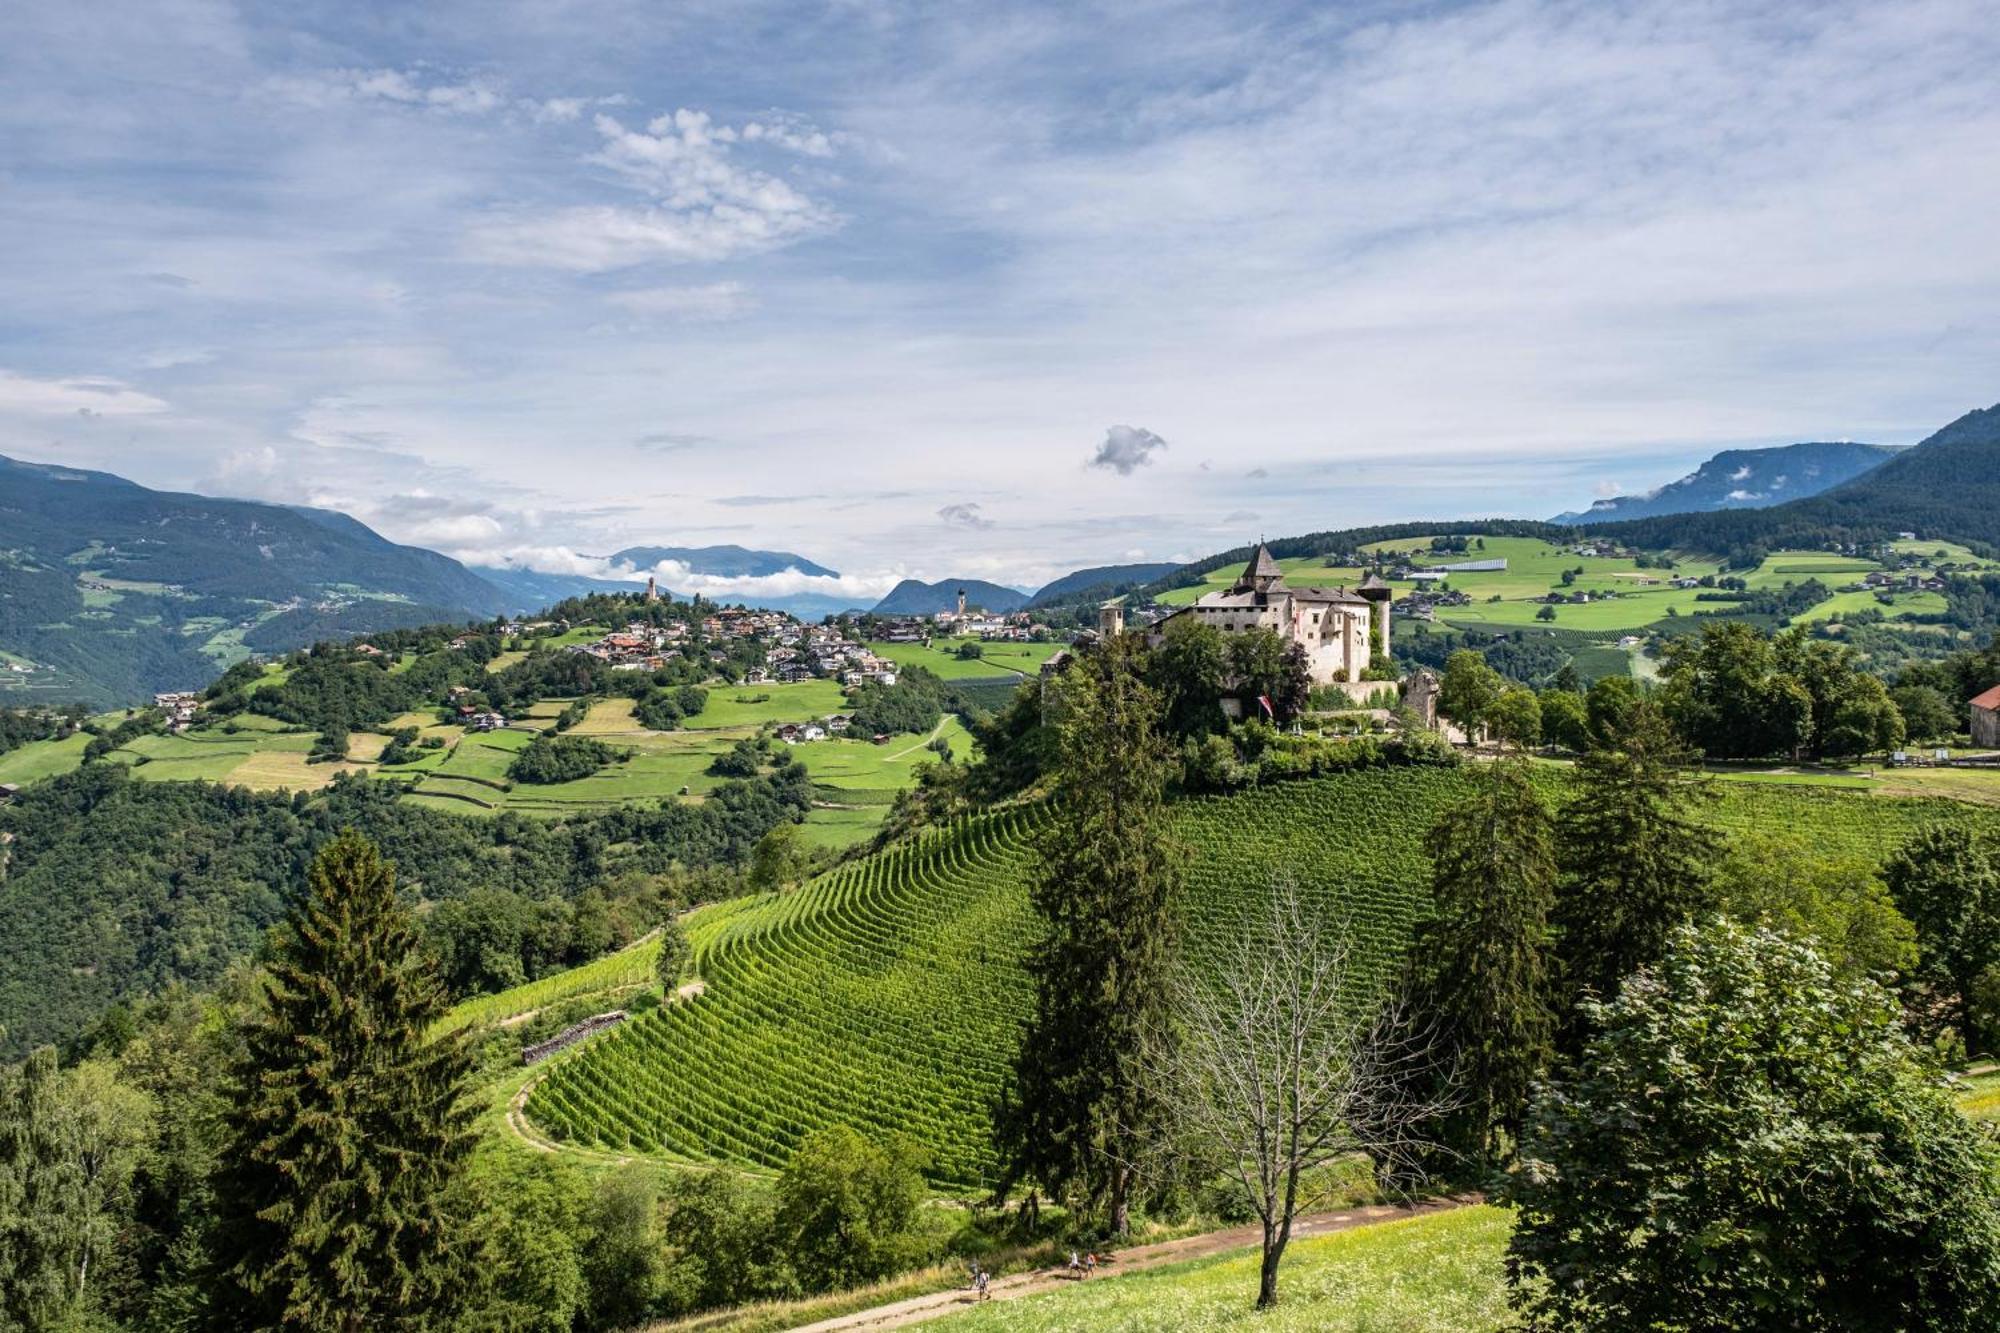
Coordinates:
970	290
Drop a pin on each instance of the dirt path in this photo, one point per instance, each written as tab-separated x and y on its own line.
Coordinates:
517	1119
936	732
922	1309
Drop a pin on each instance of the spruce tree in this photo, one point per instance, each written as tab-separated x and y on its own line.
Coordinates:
1480	966
338	1196
1635	859
1076	1111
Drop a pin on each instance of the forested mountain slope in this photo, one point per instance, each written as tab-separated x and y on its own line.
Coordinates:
113	591
1947	487
114	887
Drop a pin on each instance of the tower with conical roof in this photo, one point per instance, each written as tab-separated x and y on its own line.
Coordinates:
1379	595
1261	574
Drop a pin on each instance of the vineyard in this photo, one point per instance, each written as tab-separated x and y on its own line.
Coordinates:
887	995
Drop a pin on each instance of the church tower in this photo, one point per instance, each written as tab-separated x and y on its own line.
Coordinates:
961	603
652	589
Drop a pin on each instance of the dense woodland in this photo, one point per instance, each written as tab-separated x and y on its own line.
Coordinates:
116	888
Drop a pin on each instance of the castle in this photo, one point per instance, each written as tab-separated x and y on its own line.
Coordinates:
1340	630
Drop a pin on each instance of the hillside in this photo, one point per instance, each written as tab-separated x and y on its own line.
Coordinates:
1744	479
1100	581
1946	487
913	598
111	590
887	992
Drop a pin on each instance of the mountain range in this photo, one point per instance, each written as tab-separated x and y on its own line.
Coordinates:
1744	479
110	591
1947	486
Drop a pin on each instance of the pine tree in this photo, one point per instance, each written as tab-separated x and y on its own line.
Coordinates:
338	1197
1480	966
1076	1110
1634	857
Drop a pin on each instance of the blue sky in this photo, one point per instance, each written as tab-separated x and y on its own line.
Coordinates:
981	290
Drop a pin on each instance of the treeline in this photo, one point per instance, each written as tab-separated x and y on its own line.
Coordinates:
1345	540
114	889
1734	691
23	726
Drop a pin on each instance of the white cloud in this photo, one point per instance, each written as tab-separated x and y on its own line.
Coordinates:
87	396
1740	473
1606	490
714	300
1125	449
412	88
706	206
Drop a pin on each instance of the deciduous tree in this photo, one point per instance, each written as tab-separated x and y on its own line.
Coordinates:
1746	1143
1281	1063
1946	879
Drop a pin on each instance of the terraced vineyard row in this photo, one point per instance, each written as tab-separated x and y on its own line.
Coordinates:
882	994
630	966
888	995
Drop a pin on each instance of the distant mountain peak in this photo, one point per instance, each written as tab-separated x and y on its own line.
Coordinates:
913	597
1745	479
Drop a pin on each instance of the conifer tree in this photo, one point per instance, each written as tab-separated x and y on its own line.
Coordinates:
1077	1107
339	1191
1480	966
1635	859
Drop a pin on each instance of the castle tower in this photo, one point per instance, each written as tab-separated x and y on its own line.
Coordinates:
1262	574
1379	595
1111	619
652	589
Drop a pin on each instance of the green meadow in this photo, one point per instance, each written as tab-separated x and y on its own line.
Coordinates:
1439	1273
995	660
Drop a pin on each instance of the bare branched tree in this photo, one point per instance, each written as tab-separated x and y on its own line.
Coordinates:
1289	1061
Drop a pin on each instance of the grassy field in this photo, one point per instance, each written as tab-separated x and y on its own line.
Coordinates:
468	774
1643	596
886	993
943	661
754	705
1440	1273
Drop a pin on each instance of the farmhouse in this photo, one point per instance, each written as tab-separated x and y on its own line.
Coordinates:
1339	629
1986	718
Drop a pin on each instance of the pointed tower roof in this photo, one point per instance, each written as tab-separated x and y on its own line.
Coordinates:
1262	566
1373	587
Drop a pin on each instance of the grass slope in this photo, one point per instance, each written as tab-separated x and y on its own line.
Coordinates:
1436	1274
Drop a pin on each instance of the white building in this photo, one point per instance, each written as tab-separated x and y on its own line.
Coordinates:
1334	625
